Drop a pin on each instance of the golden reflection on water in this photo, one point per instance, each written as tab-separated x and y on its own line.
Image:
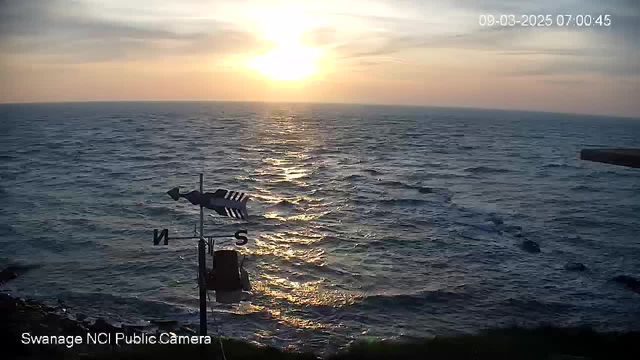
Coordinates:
284	251
279	289
301	217
282	174
267	196
291	145
295	237
302	293
293	173
275	162
298	155
279	315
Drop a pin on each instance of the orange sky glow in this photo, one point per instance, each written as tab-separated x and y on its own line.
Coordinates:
379	51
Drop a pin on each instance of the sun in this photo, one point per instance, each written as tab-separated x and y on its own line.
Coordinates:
289	59
287	62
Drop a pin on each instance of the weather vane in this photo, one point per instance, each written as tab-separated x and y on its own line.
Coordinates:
227	277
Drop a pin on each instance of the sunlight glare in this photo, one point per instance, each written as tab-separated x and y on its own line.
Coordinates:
290	59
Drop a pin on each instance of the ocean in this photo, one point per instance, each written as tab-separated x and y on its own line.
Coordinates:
365	221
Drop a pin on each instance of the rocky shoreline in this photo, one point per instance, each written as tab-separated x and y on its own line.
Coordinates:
20	316
61	327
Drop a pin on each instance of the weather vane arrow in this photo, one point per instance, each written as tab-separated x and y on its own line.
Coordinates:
224	202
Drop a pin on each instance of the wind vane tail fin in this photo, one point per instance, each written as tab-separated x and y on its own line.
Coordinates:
174	193
243	208
229	203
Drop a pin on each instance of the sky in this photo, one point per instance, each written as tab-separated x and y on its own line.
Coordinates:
412	52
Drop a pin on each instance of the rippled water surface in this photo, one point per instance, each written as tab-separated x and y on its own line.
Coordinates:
366	221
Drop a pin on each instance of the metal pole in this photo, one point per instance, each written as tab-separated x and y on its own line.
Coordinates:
202	266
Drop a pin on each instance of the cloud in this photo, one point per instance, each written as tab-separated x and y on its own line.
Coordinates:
567	67
321	36
496	39
608	51
511	6
46	28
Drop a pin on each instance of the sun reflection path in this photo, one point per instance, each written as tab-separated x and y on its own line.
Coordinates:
280	292
288	320
284	251
291	272
280	170
303	293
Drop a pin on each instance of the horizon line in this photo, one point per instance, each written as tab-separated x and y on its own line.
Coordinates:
625	117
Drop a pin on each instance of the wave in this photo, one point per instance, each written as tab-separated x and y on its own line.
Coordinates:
6	229
372	172
56	145
495	219
111	306
8	176
245	178
486	227
151	211
485	170
424	190
535	306
411	202
613	173
353	177
415	300
556	165
437	175
283	204
19	268
582	188
400	184
591	222
152	158
85	223
28	151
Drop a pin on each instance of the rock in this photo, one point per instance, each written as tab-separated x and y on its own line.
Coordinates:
495	219
81	317
164	322
71	327
166	325
530	246
630	282
7	276
488	227
130	329
188	330
19	268
101	325
575	266
32	302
